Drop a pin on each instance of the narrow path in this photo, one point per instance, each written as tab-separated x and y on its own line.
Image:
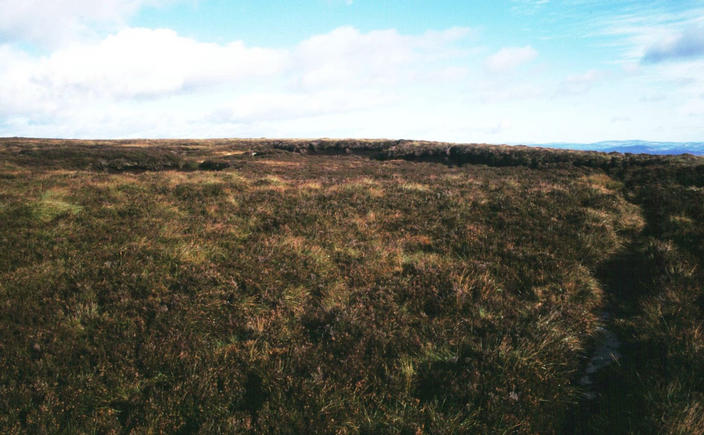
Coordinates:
605	353
602	393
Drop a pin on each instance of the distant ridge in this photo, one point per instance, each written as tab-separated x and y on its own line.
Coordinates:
633	146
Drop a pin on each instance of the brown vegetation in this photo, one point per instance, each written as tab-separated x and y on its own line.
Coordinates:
346	286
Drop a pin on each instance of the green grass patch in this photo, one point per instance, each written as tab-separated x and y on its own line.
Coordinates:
53	205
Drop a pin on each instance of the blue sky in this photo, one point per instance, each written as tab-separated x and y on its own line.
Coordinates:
512	71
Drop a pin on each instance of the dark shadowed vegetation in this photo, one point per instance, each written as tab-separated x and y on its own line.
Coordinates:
348	286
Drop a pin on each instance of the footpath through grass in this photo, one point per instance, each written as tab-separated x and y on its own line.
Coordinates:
346	287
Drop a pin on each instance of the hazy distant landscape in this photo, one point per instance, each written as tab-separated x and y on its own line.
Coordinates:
635	147
348	286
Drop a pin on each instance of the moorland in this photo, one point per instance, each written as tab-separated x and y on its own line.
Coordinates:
348	286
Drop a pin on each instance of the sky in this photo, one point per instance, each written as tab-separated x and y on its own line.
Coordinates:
499	71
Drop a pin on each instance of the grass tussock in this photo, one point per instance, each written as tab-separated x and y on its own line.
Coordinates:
346	287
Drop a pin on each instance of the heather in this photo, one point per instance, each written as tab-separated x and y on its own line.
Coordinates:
341	286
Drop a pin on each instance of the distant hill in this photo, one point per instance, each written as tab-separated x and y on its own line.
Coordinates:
634	146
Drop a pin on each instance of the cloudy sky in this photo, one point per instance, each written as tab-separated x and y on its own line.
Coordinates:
499	71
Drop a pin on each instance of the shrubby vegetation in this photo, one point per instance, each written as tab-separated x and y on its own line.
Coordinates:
346	286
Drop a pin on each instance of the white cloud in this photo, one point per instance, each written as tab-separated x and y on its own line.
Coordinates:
346	82
145	74
684	45
649	33
133	63
54	22
508	58
347	56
